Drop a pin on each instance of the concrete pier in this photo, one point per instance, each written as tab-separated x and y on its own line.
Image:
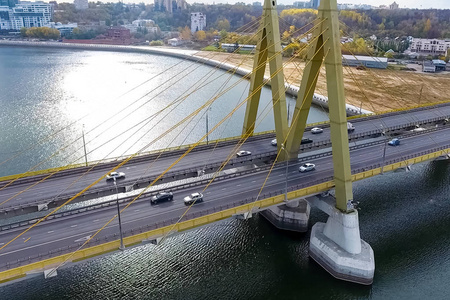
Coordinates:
337	247
292	216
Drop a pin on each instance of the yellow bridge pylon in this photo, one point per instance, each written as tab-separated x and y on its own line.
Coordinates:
324	48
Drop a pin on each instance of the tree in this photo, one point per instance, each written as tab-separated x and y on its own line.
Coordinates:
223	24
23	31
200	35
185	33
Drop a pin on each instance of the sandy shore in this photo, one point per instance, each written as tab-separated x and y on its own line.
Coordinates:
373	89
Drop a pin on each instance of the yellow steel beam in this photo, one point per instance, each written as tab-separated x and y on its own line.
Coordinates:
82	254
328	47
269	47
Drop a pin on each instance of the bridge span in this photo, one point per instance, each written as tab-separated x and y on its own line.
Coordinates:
52	242
22	197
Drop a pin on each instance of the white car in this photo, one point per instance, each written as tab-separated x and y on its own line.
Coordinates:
243	153
316	130
115	175
274	142
193	198
307	167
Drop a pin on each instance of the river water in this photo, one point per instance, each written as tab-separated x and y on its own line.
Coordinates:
404	216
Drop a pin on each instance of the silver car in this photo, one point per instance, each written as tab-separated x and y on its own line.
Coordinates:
243	153
307	167
193	198
115	175
316	130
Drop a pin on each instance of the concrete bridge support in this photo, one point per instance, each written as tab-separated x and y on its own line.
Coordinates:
336	245
292	215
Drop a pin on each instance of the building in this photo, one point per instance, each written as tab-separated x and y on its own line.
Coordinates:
182	5
428	67
9	3
174	42
139	25
81	4
430	46
118	33
307	4
64	29
25	14
439	64
393	6
366	61
346	6
315	4
198	22
302	4
164	5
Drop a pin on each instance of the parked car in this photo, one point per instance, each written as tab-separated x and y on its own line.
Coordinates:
243	153
193	198
307	167
316	130
274	142
394	142
161	197
306	141
115	175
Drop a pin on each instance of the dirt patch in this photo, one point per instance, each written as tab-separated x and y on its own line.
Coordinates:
372	89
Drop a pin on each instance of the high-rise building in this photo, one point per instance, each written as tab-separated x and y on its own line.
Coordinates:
315	3
198	22
164	5
393	6
81	4
9	3
25	14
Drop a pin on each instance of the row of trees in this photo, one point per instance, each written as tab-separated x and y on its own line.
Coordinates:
40	33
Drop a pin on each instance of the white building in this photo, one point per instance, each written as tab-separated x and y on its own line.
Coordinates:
25	14
139	25
198	22
81	4
430	46
64	29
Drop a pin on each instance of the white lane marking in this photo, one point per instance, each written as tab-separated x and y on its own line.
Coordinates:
51	231
96	220
73	226
224	189
83	239
137	210
239	184
2	244
253	181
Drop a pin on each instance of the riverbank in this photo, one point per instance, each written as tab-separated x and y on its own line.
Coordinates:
371	90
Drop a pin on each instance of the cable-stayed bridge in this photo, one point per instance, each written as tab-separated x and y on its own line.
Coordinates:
231	186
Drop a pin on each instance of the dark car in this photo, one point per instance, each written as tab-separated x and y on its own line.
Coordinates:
161	197
306	141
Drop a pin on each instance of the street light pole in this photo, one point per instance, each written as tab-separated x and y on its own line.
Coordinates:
84	145
384	150
287	168
122	247
207	129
